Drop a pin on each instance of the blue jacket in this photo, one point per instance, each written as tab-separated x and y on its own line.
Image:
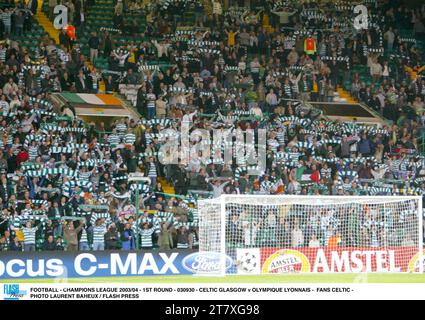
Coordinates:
128	244
365	146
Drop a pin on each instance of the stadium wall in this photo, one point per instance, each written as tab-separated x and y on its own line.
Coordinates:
63	265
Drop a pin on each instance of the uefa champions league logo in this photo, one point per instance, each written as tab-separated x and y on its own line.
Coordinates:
248	262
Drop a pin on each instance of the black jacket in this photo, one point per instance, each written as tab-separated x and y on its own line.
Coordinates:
81	85
49	246
16	247
94	42
51	213
111	240
64	39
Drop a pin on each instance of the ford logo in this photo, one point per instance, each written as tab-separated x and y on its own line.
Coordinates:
205	262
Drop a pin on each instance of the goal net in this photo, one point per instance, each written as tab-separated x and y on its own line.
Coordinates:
329	234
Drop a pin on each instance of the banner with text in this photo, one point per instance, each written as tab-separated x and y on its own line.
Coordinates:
94	264
339	259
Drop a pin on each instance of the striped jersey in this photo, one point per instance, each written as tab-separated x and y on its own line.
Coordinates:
149	137
27	212
350	174
287	89
84	175
152	170
3	55
293	156
99	234
33	152
84	236
146	235
182	241
16	147
4	107
6	18
29	235
295	88
305	86
266	186
273	144
395	165
114	139
322	49
280	136
151	98
9	139
326	173
121	128
129	138
404	164
255	68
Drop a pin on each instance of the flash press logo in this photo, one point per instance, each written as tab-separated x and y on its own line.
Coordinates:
13	292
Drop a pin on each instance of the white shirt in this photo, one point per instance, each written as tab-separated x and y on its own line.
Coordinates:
188	118
4	107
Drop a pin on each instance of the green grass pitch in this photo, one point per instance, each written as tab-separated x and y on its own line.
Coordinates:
281	279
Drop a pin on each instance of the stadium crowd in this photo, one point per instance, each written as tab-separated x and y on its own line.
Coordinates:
65	183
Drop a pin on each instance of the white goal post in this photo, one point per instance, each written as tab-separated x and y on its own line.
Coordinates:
256	234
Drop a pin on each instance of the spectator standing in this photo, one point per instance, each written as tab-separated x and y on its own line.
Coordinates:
182	238
111	238
49	244
150	104
29	236
165	240
128	238
94	43
6	17
297	237
71	235
5	241
59	244
16	245
84	242
99	231
19	20
146	236
389	37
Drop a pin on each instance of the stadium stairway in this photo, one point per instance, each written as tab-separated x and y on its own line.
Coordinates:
53	33
266	24
44	21
345	95
208	8
168	189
